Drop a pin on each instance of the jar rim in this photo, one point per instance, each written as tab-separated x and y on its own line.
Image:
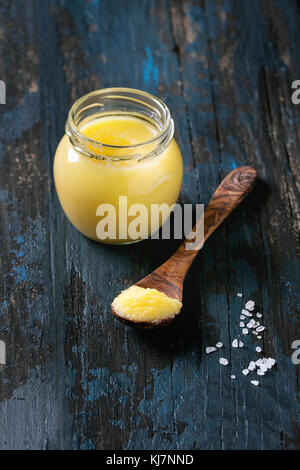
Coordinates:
72	127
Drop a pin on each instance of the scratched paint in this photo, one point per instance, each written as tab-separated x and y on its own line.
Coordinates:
150	70
19	119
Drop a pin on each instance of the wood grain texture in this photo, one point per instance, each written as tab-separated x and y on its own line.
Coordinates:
75	378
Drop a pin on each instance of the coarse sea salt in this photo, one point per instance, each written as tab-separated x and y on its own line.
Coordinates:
239	294
210	349
223	361
246	313
260	328
270	362
261	365
250	305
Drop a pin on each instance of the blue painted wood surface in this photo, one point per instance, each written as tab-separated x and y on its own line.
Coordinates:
75	378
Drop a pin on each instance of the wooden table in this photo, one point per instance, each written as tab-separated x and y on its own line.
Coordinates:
74	377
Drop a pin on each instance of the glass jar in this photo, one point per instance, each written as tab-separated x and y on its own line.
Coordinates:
118	153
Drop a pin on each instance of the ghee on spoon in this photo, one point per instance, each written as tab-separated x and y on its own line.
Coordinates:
155	300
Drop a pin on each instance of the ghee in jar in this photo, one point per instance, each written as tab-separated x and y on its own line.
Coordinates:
124	149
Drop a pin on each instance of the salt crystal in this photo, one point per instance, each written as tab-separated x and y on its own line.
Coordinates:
270	362
235	343
241	344
259	362
260	328
246	313
250	305
254	333
251	323
223	361
219	345
258	349
242	317
210	349
239	294
252	365
260	372
244	331
259	337
245	371
255	382
259	315
233	377
242	324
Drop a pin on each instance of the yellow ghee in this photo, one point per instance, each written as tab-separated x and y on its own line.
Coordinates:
83	182
145	305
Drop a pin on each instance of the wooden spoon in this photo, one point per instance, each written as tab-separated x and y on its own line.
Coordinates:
168	278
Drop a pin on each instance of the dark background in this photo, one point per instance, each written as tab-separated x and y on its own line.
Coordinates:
75	378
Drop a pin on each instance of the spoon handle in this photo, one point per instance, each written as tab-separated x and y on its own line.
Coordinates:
229	194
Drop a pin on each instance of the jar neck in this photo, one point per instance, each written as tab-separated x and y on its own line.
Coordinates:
116	102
